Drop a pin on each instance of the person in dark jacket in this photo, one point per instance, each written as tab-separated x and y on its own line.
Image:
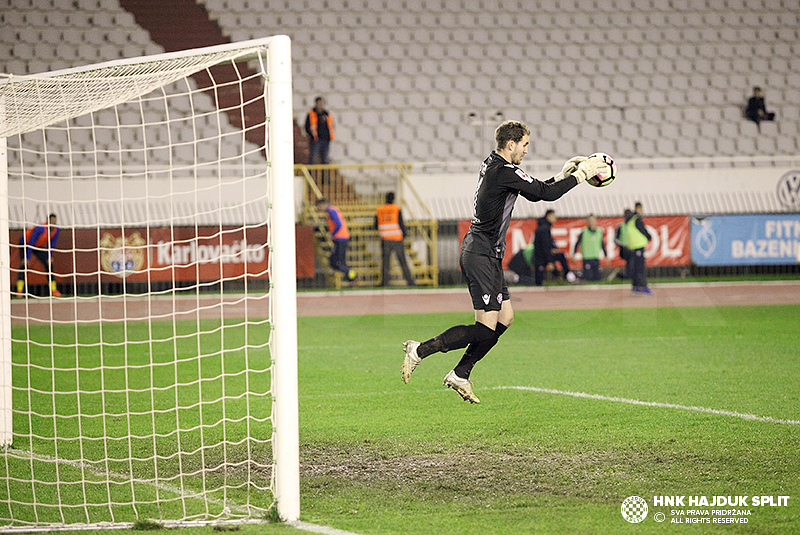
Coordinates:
545	252
319	127
521	264
756	109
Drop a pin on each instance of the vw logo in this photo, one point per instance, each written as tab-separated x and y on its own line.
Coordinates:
789	190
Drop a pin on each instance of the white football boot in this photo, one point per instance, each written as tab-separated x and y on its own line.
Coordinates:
462	386
411	359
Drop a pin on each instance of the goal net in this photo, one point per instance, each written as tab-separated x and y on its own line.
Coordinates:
149	336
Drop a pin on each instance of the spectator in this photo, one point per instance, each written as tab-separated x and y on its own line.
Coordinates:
591	243
39	241
756	110
522	266
319	127
389	221
636	239
545	253
340	236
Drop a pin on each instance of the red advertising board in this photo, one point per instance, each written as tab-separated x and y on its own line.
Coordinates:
164	254
670	244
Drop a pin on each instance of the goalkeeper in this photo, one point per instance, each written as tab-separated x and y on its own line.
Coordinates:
38	241
500	182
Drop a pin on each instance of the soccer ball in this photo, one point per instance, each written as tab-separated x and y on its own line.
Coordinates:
606	177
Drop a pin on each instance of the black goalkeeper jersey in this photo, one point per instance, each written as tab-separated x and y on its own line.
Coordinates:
499	184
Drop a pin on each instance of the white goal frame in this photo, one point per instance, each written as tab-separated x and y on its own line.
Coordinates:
281	210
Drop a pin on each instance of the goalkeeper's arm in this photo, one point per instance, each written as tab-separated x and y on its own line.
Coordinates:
570	167
588	168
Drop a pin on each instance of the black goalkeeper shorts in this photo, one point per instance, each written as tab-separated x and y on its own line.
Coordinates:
485	280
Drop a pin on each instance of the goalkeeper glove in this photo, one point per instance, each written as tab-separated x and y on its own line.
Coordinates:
589	168
570	167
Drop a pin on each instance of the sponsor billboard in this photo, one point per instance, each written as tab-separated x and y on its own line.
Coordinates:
735	240
180	254
669	245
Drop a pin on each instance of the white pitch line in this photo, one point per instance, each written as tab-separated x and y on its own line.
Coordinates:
314	528
720	412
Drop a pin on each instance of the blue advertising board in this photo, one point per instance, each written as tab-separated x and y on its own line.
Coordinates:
736	240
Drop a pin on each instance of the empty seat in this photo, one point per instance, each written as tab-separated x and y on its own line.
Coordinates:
705	147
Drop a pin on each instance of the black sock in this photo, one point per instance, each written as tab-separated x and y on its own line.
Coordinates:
476	351
455	338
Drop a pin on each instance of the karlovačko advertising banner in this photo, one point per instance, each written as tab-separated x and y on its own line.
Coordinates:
669	245
180	254
737	240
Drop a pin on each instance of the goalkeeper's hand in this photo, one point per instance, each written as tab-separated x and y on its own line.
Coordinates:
570	167
589	168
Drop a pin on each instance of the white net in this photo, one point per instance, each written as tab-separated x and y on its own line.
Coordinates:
141	337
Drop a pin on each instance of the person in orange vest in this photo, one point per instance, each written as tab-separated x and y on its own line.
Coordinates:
319	127
389	221
38	241
340	236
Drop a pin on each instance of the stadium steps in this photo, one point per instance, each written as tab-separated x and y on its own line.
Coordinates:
185	24
364	251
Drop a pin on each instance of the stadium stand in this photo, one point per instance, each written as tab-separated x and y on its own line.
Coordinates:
649	79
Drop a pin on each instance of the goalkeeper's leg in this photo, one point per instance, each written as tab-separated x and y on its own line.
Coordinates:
456	337
476	351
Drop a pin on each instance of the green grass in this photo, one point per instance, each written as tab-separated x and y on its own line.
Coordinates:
180	403
381	457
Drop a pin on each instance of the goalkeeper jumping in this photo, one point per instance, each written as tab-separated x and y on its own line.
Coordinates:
500	181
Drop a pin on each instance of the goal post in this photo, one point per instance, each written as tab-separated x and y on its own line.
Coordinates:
284	313
149	352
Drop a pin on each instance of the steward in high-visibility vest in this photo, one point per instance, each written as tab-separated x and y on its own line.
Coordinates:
636	239
319	127
591	244
340	236
389	222
636	235
336	224
323	131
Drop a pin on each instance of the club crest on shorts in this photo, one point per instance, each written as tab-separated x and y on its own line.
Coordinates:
500	298
486	299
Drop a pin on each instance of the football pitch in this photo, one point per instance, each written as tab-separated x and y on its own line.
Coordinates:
580	409
686	402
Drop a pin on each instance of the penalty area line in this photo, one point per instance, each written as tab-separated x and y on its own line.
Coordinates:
720	412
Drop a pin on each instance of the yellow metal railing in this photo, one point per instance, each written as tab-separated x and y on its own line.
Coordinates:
358	190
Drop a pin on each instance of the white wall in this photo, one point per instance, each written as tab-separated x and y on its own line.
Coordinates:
705	189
